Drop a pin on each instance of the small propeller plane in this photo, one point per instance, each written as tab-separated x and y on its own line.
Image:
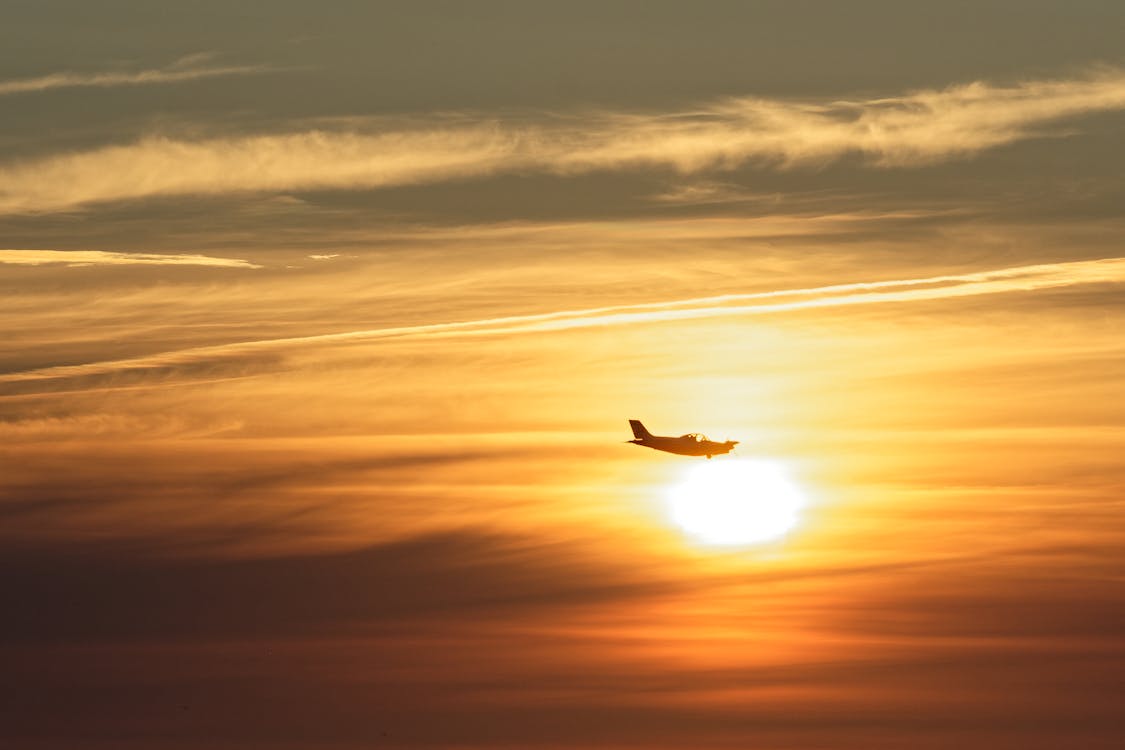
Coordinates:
691	444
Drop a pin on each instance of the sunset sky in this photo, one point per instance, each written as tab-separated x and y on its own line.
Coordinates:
321	324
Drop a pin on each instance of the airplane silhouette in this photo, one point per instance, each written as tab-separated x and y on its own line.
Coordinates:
691	444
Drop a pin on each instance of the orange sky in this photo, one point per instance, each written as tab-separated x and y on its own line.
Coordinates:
318	353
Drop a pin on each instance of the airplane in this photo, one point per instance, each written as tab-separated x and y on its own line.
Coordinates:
692	444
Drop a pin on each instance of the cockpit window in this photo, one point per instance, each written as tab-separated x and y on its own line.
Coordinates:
694	436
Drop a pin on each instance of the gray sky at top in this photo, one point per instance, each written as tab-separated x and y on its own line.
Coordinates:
362	58
356	59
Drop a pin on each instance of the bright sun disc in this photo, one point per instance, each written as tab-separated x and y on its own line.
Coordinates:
736	502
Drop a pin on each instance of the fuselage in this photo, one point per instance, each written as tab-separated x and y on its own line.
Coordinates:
691	444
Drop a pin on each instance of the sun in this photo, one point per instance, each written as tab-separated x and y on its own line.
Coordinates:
736	502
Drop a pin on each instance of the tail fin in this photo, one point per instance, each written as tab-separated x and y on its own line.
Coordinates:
639	431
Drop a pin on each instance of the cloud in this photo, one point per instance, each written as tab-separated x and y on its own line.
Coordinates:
914	129
490	631
709	193
309	160
450	572
184	69
102	258
1012	279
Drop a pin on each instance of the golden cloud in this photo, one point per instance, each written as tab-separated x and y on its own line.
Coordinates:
185	69
914	129
102	258
1004	280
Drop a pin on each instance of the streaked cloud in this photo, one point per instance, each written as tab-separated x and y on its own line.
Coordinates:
708	193
914	129
918	128
103	258
308	160
190	68
1013	279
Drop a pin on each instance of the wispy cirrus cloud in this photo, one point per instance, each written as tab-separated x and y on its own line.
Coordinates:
1014	279
104	258
914	129
189	68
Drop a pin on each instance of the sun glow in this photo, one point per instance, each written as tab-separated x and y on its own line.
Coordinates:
736	502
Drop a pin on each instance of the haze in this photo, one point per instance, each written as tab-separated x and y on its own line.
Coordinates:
321	324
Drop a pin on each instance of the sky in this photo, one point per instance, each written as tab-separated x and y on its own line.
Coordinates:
321	324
